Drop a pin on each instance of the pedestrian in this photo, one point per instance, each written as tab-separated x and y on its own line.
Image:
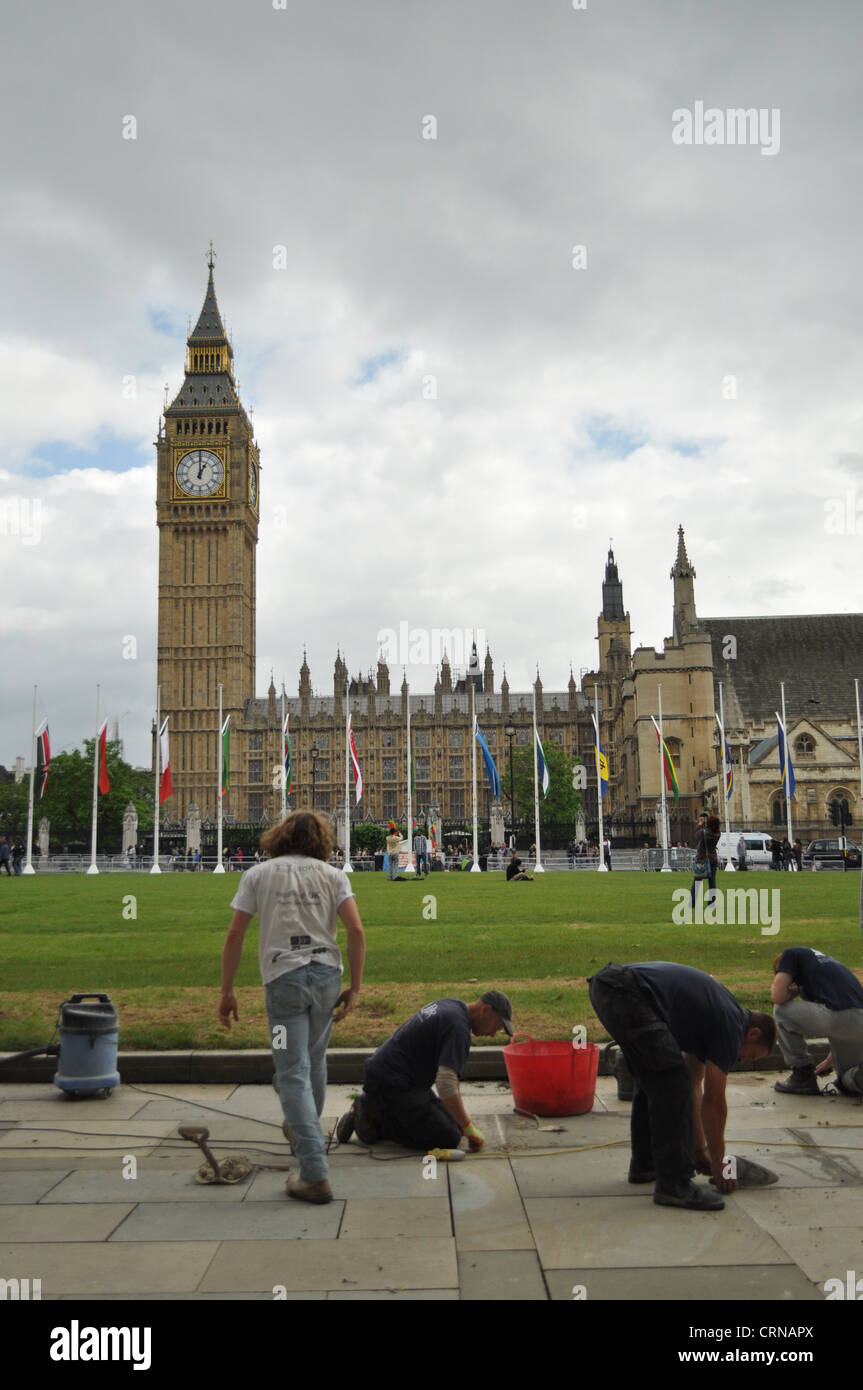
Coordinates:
815	996
680	1032
706	859
393	845
421	847
775	847
786	854
741	855
17	857
5	856
798	854
198	862
301	968
606	852
430	1049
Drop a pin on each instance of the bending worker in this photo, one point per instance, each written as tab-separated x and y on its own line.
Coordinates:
680	1032
815	996
430	1049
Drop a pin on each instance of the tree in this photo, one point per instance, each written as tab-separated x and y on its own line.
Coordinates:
562	803
13	808
368	836
68	800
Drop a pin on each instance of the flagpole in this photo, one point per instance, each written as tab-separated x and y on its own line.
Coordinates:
154	868
93	869
220	868
348	865
475	865
537	868
666	867
284	769
602	867
723	744
409	868
28	867
788	764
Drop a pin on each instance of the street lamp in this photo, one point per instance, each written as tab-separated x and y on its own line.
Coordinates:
510	733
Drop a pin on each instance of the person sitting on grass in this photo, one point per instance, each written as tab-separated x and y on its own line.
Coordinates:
430	1049
515	873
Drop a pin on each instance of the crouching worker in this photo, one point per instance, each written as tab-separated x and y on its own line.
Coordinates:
298	896
431	1049
816	996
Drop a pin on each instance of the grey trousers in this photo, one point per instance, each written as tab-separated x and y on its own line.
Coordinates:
798	1020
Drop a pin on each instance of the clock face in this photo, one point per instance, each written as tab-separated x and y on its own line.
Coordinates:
200	473
253	485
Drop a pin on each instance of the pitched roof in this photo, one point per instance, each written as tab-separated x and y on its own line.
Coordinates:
816	655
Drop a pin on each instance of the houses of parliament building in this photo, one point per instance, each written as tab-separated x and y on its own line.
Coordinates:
208	508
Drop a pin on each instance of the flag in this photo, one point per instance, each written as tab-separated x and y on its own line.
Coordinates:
393	826
226	758
603	760
358	776
727	761
43	760
671	783
166	786
542	768
786	778
289	759
491	770
104	784
433	838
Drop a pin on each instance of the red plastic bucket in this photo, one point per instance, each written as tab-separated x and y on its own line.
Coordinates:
551	1078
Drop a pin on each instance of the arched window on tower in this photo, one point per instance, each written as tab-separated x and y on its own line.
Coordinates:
839	807
804	747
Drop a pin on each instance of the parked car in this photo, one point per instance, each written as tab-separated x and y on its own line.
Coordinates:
827	854
757	849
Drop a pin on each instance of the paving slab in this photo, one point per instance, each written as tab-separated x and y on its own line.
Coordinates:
151	1297
85	1222
414	1217
370	1178
52	1106
597	1173
82	1268
159	1185
99	1138
824	1254
27	1186
610	1232
487	1208
222	1127
396	1263
285	1220
813	1210
511	1275
730	1282
394	1296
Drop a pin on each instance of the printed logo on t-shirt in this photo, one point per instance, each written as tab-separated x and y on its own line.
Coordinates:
298	941
428	1010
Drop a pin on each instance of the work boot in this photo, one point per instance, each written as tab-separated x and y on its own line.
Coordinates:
639	1175
345	1127
850	1083
289	1136
317	1192
366	1120
801	1082
689	1196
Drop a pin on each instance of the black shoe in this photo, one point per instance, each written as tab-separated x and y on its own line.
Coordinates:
366	1123
345	1127
801	1082
689	1196
639	1175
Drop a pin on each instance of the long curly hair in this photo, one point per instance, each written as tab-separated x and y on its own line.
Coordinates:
302	832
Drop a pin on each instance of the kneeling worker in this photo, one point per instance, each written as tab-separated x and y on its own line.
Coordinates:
430	1049
816	996
681	1033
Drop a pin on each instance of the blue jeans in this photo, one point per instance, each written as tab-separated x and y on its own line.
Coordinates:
302	1002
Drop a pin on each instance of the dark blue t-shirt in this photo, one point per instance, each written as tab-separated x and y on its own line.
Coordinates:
702	1016
822	979
437	1036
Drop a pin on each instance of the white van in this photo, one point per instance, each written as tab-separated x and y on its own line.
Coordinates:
758	854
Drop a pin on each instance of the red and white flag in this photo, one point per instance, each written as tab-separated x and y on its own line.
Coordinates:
43	761
166	786
358	776
104	784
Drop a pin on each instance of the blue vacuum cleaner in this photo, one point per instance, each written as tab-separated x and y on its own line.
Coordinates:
87	1051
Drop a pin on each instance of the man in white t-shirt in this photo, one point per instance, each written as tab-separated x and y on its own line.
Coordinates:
297	896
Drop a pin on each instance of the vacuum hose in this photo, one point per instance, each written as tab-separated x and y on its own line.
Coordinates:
52	1050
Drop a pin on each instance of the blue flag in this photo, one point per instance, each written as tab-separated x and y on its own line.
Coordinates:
727	761
601	759
785	769
491	770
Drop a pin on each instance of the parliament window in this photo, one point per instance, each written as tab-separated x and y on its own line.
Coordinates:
322	770
256	743
522	736
256	770
423	769
389	769
556	736
388	739
256	806
422	738
322	740
456	769
456	739
456	805
390	805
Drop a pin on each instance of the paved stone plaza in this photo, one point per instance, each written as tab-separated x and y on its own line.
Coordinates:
528	1219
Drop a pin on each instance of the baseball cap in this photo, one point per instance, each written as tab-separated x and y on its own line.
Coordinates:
502	1007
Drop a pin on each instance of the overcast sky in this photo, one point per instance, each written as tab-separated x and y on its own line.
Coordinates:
701	362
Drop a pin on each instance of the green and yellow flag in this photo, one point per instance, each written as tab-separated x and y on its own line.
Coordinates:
671	783
226	757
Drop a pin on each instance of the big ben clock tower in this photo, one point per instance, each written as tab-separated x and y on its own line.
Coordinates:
207	512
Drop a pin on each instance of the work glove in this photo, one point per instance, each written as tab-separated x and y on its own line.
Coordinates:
474	1136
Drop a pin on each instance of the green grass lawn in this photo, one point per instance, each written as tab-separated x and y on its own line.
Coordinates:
537	941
